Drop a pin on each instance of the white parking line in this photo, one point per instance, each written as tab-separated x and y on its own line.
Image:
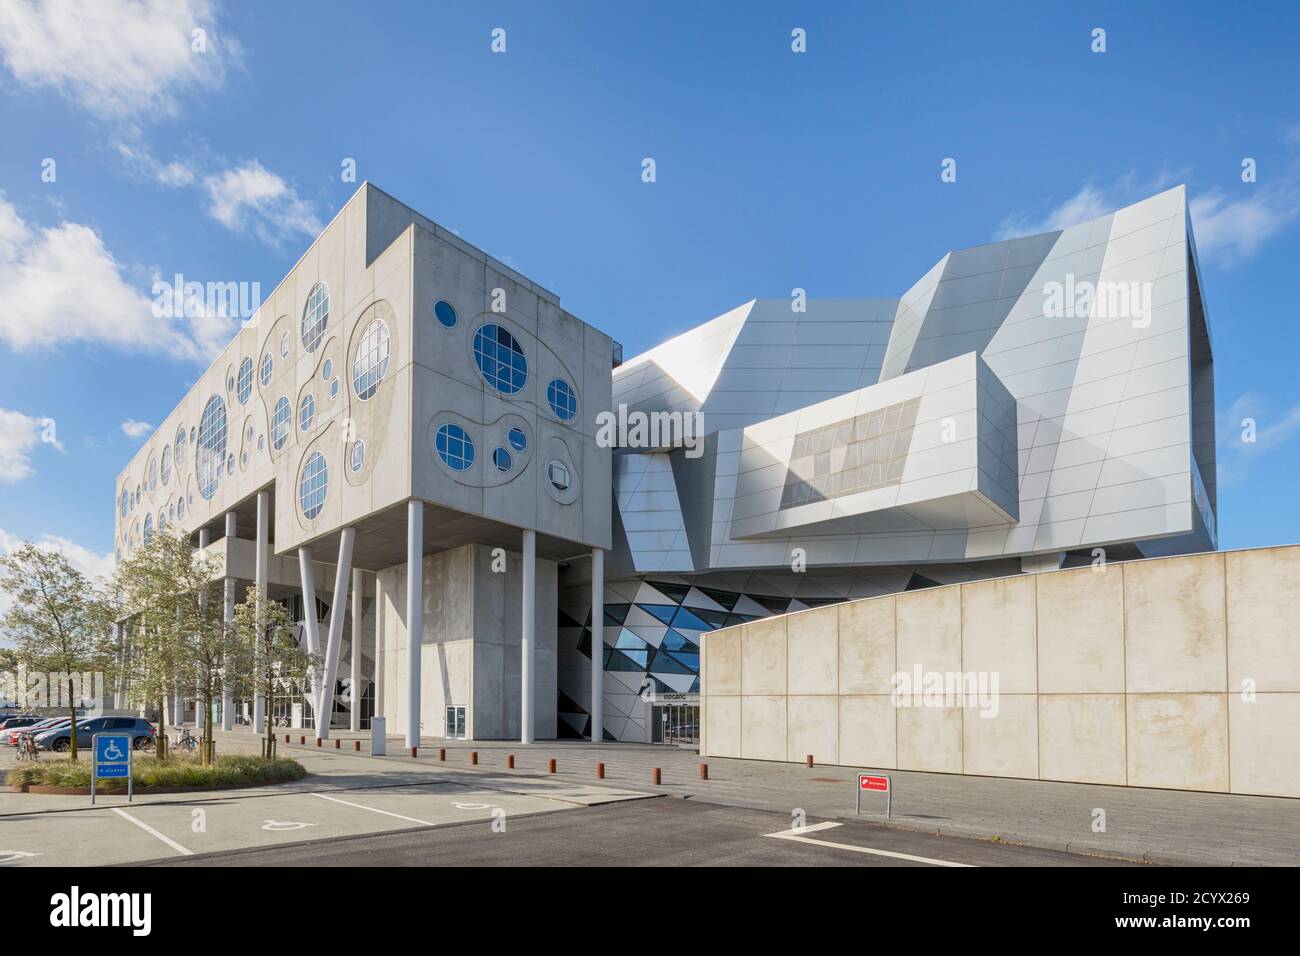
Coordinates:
362	806
796	837
148	829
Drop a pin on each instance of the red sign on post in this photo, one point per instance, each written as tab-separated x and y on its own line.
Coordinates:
868	782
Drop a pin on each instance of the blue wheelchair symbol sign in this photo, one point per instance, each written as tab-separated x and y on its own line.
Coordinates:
112	755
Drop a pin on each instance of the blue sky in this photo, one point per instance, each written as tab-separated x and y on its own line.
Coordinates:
775	170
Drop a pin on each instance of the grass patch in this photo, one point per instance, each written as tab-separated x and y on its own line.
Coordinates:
177	771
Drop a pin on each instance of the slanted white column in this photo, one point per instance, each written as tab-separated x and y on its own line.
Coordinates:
358	590
227	703
414	616
338	611
262	556
310	627
527	649
597	645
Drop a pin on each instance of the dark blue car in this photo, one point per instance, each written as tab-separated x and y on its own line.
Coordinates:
139	729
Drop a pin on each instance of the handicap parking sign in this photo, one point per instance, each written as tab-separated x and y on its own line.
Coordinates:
112	760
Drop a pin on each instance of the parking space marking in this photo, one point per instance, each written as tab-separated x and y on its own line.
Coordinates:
362	806
150	830
796	837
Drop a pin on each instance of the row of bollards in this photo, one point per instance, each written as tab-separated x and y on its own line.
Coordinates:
656	773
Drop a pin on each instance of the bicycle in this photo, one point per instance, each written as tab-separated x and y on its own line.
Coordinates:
27	748
185	740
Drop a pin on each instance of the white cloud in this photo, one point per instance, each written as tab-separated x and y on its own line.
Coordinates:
142	163
1088	203
115	58
133	429
61	284
1229	230
19	435
251	196
1270	432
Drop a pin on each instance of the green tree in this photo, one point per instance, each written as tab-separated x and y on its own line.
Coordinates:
59	620
268	660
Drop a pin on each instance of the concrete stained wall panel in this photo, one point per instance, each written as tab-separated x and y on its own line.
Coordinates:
1178	741
1081	738
929	738
866	646
1264	619
722	727
763	727
1081	631
1001	740
812	727
812	654
763	657
998	632
722	650
1175	633
929	630
1263	745
868	731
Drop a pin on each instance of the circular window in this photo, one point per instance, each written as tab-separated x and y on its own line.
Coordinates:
180	507
245	380
518	440
243	459
261	443
180	448
372	359
327	370
268	366
210	449
248	435
230	383
501	458
444	313
123	502
358	455
558	474
193	432
500	359
455	447
560	396
313	485
315	316
166	464
284	345
151	481
230	465
162	521
306	412
280	423
334	388
148	529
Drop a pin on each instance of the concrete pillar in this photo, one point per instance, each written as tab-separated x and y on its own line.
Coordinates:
227	702
414	616
597	645
262	556
380	651
527	639
338	611
310	626
358	590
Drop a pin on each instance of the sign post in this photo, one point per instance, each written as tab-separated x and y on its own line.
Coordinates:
111	759
878	782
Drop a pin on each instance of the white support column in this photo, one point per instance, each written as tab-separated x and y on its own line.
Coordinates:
414	616
338	611
358	591
597	645
310	626
227	702
262	556
527	639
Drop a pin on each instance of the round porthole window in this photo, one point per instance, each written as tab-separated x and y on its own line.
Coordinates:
518	440
558	474
501	459
327	370
445	313
358	455
313	485
455	447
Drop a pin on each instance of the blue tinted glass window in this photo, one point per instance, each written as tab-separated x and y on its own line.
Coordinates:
500	359
501	458
560	396
444	313
518	440
455	447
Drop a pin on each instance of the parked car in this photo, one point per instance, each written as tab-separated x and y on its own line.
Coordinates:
19	720
49	723
60	738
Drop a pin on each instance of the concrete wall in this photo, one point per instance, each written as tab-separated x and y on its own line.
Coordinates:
1177	673
470	650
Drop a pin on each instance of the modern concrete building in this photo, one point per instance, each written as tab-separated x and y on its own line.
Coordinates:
404	405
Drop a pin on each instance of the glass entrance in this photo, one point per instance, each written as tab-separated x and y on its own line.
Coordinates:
675	724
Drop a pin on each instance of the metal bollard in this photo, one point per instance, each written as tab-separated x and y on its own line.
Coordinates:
600	771
510	761
656	777
286	738
318	741
413	750
473	758
704	771
302	740
338	743
442	753
550	766
358	746
810	761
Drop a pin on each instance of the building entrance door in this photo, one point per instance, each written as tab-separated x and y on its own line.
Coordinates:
675	724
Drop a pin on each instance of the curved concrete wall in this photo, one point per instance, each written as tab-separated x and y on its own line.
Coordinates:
1178	673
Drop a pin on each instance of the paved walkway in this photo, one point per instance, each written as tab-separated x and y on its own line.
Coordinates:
1160	826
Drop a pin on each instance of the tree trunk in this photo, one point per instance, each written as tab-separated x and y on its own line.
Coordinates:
72	716
161	749
207	725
